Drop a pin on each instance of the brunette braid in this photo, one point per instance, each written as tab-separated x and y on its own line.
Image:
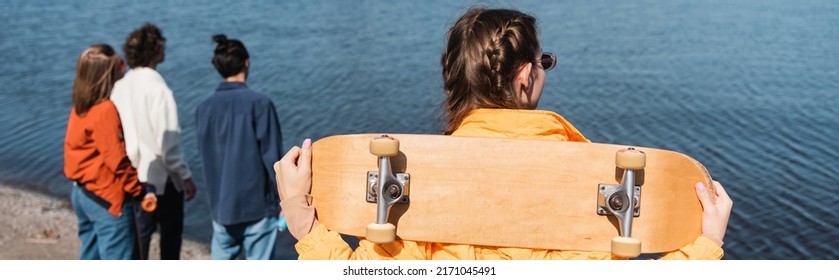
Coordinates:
484	52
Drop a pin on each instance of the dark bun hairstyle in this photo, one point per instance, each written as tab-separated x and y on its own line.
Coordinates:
230	56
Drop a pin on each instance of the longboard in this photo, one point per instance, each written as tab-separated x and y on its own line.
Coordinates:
507	192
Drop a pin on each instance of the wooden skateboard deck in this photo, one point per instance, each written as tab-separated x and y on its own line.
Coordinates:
507	192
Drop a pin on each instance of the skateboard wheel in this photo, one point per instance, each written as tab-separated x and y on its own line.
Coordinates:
626	246
630	159
381	233
149	205
384	146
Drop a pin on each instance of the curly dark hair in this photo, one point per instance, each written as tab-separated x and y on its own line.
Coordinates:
144	46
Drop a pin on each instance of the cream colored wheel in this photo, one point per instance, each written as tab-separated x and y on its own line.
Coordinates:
631	159
626	247
384	146
381	233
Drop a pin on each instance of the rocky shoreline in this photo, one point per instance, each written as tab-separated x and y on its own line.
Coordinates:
35	226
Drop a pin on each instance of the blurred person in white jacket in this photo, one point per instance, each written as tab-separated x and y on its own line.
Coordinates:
152	140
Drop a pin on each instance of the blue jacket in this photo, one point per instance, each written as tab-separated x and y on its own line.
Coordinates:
239	140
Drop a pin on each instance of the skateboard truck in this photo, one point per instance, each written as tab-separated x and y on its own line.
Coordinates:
623	201
385	189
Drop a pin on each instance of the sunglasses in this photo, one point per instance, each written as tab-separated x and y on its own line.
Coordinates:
548	60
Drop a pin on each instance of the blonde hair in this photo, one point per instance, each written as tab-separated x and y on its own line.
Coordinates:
484	51
96	71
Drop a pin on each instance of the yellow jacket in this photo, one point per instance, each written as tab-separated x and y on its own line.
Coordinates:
321	243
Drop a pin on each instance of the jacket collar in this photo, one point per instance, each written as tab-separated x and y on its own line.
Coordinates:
231	86
144	73
524	124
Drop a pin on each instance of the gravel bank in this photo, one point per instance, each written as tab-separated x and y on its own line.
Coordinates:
35	226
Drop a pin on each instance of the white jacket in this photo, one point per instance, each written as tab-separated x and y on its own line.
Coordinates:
150	125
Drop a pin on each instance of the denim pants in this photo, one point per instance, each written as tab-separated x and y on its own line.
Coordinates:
103	236
255	238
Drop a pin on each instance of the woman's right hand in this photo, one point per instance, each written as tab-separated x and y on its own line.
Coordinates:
714	213
294	171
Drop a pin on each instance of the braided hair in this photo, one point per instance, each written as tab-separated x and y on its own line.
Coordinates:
484	51
230	56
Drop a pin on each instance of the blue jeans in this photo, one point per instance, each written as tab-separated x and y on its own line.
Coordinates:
103	236
255	238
